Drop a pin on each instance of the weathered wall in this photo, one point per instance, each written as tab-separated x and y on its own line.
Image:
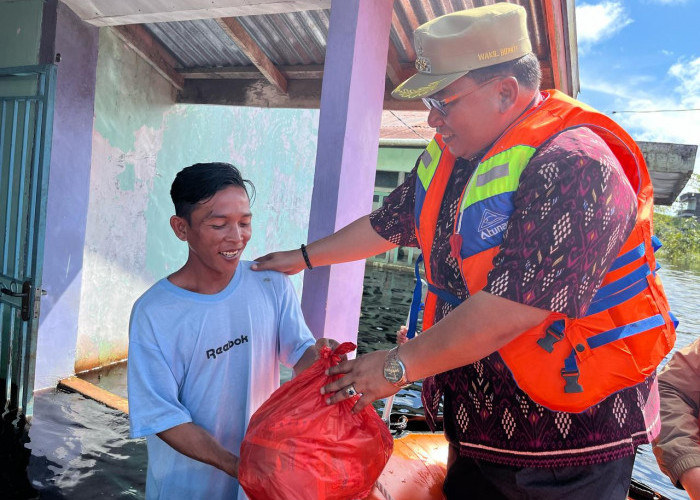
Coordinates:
68	193
141	139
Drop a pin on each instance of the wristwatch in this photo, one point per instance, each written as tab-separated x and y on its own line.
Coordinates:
394	369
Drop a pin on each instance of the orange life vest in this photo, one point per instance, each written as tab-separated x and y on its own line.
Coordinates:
566	364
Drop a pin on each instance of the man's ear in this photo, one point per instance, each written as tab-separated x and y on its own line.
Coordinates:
179	226
508	91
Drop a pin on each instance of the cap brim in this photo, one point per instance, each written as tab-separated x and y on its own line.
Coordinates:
423	85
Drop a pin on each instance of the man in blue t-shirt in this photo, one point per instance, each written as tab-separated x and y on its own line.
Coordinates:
205	343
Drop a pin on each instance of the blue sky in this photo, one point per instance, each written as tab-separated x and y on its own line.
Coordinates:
642	55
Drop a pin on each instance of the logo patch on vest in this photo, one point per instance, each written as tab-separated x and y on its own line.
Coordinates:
491	224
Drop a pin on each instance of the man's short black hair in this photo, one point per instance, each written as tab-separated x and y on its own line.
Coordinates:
201	181
525	69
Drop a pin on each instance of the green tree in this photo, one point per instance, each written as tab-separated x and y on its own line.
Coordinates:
680	237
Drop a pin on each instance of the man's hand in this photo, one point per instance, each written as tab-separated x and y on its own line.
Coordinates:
481	325
313	353
356	241
366	375
402	335
287	262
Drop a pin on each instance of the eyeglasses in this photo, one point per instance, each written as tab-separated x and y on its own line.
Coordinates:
439	104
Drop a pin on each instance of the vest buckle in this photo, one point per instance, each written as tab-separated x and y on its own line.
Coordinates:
552	335
571	379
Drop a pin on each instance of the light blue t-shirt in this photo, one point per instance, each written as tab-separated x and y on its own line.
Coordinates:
212	360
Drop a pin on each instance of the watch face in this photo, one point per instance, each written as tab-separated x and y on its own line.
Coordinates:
393	371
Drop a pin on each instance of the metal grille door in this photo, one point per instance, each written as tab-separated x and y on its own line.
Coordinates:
26	115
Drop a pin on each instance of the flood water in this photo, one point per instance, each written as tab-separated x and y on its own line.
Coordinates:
80	448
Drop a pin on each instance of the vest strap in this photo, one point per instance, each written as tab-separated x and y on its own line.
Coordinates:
629	256
453	300
624	331
570	372
620	284
614	300
634	254
620	290
674	319
418	294
553	334
415	301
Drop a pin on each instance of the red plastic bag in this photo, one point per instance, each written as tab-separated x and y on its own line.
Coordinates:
299	448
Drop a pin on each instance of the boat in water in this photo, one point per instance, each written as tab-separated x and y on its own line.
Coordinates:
418	464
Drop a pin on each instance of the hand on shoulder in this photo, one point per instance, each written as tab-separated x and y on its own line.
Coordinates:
287	262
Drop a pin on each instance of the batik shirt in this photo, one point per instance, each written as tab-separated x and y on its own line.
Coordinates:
575	192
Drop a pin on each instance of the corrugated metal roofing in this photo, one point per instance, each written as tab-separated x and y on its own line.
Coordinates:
299	38
198	44
291	39
296	38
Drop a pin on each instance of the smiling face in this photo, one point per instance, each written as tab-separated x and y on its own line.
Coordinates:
217	233
473	121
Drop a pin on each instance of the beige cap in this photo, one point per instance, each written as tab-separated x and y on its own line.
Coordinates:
450	46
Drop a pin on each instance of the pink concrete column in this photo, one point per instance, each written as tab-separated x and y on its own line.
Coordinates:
346	159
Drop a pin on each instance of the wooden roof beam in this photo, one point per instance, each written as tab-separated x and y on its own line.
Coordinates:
296	72
262	94
395	71
405	38
252	50
144	44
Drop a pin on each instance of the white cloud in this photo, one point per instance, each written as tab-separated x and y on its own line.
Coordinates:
672	126
649	122
597	22
688	73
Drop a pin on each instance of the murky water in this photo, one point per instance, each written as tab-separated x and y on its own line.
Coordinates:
80	449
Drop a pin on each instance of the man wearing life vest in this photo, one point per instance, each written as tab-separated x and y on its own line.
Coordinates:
545	318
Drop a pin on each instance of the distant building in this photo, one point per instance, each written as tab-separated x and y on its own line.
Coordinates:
670	168
690	205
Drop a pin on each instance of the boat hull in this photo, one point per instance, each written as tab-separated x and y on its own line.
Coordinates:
416	469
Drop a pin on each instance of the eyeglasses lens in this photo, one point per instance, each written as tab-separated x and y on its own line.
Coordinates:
431	103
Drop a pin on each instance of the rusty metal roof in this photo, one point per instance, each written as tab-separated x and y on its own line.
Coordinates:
295	38
273	42
406	126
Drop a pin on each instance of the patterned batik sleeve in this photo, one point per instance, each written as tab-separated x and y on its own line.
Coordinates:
574	208
394	220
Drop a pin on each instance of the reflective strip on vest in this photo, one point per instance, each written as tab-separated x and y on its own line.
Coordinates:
427	167
487	203
428	163
498	175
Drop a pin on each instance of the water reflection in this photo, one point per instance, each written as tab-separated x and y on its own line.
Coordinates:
81	450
